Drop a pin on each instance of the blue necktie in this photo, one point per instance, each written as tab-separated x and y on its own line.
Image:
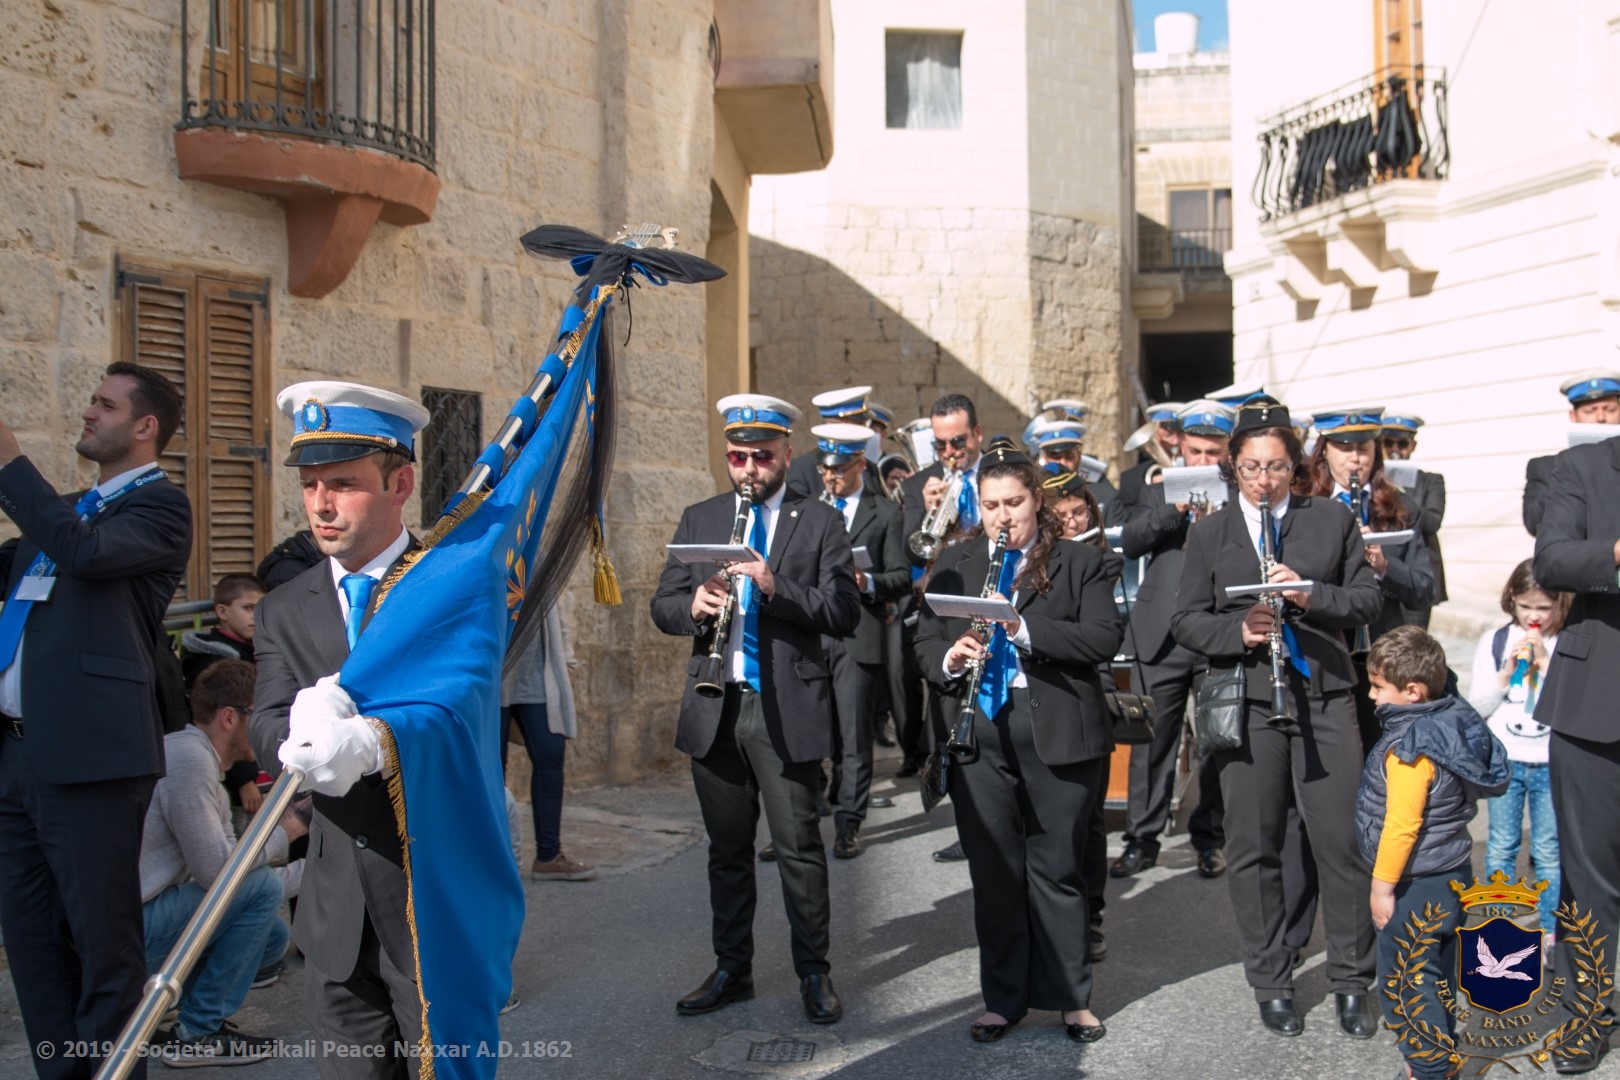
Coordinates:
841	503
1358	512
757	539
16	611
967	504
357	587
1002	660
1295	658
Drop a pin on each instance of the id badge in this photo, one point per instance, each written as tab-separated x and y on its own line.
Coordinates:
36	588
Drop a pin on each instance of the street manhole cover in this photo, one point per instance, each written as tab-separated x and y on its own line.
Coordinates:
777	1054
787	1051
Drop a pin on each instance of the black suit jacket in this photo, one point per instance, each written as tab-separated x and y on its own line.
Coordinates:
1158	531
1430	497
1408	581
805	478
1575	553
877	529
1133	486
1320	542
355	862
1073	628
89	693
815	595
1537	473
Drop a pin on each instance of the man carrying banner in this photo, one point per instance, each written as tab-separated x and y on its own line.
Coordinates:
765	733
353	447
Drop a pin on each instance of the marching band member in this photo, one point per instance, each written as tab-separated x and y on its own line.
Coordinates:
856	659
1167	436
1594	398
765	737
1399	442
1314	749
1347	455
1062	442
1023	808
1158	531
847	406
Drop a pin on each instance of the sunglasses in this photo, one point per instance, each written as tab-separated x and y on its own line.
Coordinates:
956	442
840	470
739	458
1399	442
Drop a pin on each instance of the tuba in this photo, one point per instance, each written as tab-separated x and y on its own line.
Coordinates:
963	745
712	675
1143	439
927	542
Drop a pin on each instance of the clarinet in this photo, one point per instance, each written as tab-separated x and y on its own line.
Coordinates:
963	745
1274	601
711	676
1362	643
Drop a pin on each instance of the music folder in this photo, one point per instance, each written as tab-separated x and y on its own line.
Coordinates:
1236	592
863	558
719	554
951	606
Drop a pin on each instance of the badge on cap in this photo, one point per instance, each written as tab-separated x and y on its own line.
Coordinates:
314	416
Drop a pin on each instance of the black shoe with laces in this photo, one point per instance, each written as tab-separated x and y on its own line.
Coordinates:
953	853
1133	860
227	1046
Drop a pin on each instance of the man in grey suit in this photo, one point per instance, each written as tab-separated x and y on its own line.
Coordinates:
764	737
1578	551
856	659
353	447
81	740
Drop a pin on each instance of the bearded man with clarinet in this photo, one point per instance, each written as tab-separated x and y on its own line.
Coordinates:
757	714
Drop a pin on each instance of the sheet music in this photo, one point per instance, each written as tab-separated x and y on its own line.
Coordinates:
713	553
950	606
1403	474
1236	591
1183	483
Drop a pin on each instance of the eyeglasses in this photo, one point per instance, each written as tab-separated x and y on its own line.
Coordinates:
739	458
955	442
1251	469
839	470
1074	513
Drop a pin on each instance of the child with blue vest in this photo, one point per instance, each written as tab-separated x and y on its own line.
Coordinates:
1433	761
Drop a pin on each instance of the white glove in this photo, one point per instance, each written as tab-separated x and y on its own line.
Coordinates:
328	740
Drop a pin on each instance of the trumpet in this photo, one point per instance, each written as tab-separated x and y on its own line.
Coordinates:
1362	643
963	745
928	541
712	674
1274	601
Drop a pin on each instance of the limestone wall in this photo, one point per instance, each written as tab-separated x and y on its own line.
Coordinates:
580	112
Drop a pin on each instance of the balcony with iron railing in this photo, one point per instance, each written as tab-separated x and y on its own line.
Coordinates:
1159	248
328	105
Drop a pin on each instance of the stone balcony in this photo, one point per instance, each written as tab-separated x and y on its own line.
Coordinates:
774	81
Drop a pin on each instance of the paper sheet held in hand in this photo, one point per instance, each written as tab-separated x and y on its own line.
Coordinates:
863	558
1400	537
713	553
1183	482
1235	591
948	606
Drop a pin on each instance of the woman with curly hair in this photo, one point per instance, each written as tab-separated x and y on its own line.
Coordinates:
1023	807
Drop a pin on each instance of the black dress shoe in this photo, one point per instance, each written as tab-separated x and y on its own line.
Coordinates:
848	843
1086	1033
1133	860
950	854
1096	947
1211	863
879	802
909	767
1280	1017
720	989
988	1033
1585	1063
1354	1019
821	1004
768	852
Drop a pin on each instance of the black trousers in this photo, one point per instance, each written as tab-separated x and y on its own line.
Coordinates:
375	1008
854	686
742	770
1153	764
70	907
1585	779
907	693
1094	858
1024	827
1318	759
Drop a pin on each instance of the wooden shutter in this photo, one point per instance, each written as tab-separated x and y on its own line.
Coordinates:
211	337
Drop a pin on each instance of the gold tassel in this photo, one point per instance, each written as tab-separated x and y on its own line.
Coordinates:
606	580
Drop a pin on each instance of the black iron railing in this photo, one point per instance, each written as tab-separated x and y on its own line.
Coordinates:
357	72
1182	249
1389	126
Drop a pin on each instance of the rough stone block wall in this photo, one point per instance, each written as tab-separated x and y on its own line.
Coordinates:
579	112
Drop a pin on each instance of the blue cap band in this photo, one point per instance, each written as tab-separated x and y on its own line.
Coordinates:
828	446
1593	388
336	421
1163	416
1218	421
1405	423
1057	435
1332	424
847	408
748	417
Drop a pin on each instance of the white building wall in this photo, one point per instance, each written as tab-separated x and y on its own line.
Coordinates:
1522	248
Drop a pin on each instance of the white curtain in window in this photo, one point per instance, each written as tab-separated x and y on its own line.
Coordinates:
924	80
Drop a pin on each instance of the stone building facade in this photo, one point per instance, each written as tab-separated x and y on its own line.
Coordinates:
579	112
980	247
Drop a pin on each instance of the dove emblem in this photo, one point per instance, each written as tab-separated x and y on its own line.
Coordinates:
1492	968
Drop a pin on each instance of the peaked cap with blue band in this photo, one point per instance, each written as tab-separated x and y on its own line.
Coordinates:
839	444
756	417
1165	412
849	402
1591	386
1398	422
880	414
1353	425
1238	394
1065	408
340	421
1053	433
1209	418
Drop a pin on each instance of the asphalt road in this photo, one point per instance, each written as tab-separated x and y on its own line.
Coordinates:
602	963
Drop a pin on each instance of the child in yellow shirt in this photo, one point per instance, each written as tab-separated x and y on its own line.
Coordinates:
1419	790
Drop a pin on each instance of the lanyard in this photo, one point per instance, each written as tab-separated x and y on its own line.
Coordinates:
154	473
